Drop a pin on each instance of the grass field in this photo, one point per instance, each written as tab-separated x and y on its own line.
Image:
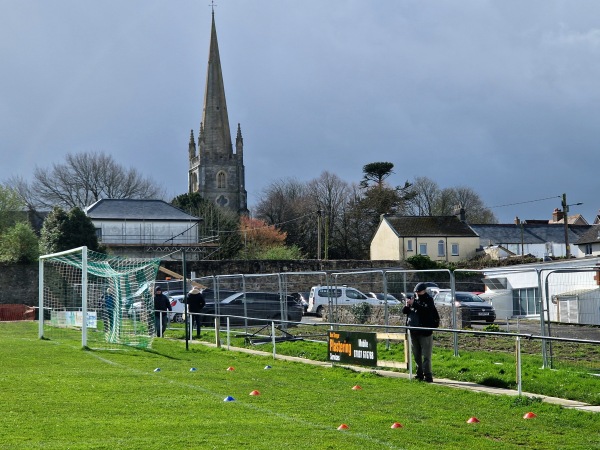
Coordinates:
54	395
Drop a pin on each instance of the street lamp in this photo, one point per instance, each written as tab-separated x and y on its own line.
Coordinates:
566	223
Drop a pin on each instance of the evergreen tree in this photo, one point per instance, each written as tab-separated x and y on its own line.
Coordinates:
64	231
19	244
218	225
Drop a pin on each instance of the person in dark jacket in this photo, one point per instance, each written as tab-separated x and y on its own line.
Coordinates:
195	302
161	306
421	312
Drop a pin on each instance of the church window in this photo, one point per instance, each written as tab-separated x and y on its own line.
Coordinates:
221	180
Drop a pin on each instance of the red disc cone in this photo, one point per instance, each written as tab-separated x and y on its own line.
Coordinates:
396	425
356	388
529	415
254	393
343	427
230	368
473	420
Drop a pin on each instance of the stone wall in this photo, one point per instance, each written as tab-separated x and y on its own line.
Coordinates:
19	282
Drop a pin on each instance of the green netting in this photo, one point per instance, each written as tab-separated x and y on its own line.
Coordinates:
120	307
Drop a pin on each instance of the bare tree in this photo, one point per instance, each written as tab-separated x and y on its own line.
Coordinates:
84	179
430	200
426	193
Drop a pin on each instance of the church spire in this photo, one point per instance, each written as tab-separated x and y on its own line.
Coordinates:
217	134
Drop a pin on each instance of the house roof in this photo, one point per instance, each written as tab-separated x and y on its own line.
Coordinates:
429	226
591	236
135	209
527	233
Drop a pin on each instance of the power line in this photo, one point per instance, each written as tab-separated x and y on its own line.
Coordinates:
528	201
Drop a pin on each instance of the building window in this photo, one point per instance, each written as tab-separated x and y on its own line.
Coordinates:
409	246
99	234
588	249
221	180
422	249
441	248
455	249
525	302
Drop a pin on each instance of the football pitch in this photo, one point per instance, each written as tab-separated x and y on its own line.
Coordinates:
54	395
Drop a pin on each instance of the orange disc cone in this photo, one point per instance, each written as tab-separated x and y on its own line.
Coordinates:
396	425
356	388
343	427
254	393
230	368
529	415
473	420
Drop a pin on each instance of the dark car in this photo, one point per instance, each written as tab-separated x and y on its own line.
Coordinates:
210	294
254	305
302	299
479	309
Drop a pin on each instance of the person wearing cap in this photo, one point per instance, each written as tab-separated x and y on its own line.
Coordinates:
161	305
421	312
195	302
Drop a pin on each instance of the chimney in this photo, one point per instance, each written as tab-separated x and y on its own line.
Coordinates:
557	215
517	220
462	214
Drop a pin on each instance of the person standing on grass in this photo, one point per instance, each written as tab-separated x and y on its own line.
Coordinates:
421	312
109	310
161	305
195	302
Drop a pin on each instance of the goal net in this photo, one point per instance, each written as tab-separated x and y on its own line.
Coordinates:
106	301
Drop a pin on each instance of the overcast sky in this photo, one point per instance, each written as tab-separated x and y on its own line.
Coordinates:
500	96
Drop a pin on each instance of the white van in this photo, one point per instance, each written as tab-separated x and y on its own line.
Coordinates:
340	295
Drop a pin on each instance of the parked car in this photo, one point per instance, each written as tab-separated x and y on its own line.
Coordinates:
391	300
210	294
302	298
343	295
254	305
479	309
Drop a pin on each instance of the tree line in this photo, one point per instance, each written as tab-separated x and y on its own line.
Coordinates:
326	217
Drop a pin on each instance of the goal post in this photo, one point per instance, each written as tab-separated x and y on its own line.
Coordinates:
104	300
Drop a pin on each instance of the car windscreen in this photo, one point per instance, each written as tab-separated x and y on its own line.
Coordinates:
469	298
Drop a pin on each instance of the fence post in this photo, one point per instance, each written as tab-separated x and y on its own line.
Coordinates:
518	354
273	338
409	345
454	312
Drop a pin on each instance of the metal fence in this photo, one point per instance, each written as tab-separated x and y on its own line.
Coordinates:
545	303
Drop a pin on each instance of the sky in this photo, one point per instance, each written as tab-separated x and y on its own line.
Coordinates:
502	96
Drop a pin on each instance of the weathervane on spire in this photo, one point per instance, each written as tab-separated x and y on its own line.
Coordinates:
212	6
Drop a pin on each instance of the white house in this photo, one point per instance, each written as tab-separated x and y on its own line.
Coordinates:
537	239
442	238
131	223
589	242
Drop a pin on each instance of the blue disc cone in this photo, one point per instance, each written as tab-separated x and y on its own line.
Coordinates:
229	398
193	369
267	367
157	369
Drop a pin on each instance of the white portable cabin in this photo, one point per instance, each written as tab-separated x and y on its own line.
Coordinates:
579	306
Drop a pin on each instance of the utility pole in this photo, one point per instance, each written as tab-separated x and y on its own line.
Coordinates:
319	234
566	223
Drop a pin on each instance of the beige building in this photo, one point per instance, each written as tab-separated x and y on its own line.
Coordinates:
442	238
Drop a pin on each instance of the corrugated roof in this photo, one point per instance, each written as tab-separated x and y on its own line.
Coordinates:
430	226
134	209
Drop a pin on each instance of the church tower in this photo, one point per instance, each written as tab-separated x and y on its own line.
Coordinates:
216	171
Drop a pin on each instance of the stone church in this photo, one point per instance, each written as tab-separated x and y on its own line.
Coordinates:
217	171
